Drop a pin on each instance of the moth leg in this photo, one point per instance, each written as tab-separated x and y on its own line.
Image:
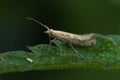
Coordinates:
51	41
73	48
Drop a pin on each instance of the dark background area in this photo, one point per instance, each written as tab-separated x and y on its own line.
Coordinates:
63	75
76	16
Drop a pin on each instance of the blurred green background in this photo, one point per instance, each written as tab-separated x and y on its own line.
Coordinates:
77	16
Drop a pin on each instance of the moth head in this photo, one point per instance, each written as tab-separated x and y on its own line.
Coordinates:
49	31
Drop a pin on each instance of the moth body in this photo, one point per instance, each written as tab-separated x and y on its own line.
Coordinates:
83	40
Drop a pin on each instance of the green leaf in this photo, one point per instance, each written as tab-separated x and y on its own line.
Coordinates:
104	55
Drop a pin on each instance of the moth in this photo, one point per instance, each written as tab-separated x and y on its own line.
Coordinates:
71	38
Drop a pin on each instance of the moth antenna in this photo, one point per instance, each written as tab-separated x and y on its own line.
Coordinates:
38	22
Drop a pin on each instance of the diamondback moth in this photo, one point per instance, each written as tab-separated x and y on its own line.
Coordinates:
71	38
